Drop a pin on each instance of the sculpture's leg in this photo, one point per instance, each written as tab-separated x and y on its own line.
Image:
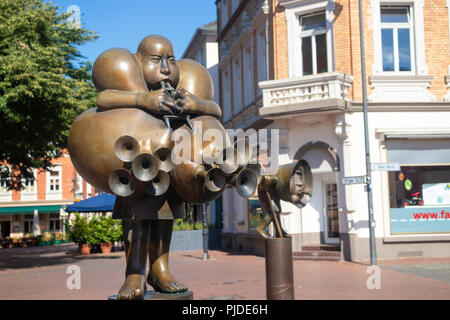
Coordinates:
261	228
136	235
159	276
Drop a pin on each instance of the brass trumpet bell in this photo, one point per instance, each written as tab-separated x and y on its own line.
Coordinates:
159	185
126	148
215	180
145	167
245	182
257	168
121	182
164	155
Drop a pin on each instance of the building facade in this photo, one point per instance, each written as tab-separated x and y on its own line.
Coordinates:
313	94
47	194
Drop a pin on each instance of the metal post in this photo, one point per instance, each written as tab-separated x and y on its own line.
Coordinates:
204	211
373	252
279	269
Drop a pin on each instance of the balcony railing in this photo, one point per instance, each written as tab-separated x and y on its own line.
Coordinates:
307	92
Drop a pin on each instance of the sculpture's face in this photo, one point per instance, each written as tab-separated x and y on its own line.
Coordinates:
158	62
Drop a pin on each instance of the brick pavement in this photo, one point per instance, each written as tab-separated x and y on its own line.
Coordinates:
40	273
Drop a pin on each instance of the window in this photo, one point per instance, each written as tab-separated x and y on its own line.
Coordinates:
54	179
419	193
396	38
226	94
29	185
313	35
237	86
54	183
78	187
248	76
28	226
54	222
261	57
28	223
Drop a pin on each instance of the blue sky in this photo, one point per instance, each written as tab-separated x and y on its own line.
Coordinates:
124	24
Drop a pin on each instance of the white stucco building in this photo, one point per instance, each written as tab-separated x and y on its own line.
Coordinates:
314	97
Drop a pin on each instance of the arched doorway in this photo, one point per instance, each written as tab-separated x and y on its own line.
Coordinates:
320	219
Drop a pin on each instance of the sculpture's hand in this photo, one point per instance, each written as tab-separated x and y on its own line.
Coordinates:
189	103
161	102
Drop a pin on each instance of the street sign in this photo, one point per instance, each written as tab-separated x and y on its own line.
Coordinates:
354	180
393	166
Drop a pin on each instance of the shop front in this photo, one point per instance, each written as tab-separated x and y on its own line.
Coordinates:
419	193
17	221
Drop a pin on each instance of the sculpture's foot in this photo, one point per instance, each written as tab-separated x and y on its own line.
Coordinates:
134	288
165	282
261	230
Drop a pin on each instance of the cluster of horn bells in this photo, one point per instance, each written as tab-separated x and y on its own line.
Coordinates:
153	171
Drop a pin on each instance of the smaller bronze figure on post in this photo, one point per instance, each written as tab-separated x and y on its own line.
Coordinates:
291	183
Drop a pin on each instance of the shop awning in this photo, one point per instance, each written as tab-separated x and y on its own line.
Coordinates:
29	209
100	203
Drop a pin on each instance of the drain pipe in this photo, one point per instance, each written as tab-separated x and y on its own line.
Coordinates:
266	9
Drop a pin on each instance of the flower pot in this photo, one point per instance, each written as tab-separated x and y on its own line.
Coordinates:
85	249
106	247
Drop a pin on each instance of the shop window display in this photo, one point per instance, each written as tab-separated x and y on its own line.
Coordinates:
420	199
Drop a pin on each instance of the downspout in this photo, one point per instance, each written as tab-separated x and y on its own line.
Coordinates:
265	9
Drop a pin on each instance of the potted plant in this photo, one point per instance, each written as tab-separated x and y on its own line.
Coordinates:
102	232
59	237
116	232
45	239
80	232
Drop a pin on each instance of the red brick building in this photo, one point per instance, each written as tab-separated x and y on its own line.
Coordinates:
48	194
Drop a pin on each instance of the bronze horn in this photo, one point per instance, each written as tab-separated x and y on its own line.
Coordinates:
214	178
245	182
159	185
257	168
145	167
227	160
164	155
126	148
121	182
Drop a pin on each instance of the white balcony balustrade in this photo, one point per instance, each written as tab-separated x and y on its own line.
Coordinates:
326	90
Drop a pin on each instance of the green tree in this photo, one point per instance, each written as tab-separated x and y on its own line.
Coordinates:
44	84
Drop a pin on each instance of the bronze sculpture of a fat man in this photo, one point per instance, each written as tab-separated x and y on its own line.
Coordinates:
124	147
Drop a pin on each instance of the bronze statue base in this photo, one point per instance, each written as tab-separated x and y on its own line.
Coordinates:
152	295
279	269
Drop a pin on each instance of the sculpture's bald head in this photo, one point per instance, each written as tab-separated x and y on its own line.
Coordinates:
158	61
